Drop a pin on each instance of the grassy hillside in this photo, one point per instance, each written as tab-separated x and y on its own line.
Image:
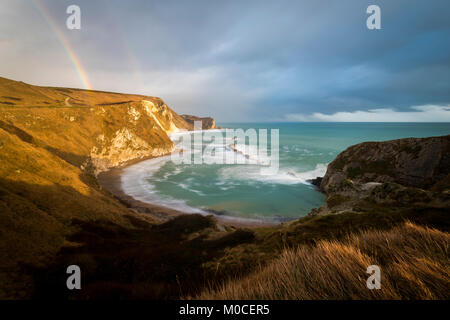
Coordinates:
20	94
49	152
413	262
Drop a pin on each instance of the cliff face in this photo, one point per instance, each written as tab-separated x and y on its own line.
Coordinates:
207	122
407	173
52	142
132	131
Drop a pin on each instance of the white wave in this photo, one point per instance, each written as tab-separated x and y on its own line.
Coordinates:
284	176
134	181
220	153
188	187
176	136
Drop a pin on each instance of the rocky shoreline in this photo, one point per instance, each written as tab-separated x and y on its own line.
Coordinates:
405	172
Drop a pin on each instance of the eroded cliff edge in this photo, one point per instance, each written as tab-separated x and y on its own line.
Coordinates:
207	122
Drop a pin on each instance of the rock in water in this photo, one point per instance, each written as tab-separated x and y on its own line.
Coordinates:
316	181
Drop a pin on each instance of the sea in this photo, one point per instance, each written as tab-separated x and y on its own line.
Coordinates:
241	190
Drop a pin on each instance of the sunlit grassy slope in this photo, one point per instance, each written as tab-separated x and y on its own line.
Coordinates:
414	263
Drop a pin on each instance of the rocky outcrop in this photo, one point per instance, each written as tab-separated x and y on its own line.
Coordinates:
412	162
207	122
404	173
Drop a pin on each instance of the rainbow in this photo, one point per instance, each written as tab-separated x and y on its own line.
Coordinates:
65	43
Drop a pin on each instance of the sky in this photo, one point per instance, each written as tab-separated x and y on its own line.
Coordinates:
242	61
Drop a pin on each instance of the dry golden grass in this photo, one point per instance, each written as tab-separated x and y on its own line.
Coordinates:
414	264
20	94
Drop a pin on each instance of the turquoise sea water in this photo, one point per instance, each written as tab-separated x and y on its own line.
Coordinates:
241	191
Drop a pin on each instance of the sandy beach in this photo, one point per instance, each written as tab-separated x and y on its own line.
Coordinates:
111	181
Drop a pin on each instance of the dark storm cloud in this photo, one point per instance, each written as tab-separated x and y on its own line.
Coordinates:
247	60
